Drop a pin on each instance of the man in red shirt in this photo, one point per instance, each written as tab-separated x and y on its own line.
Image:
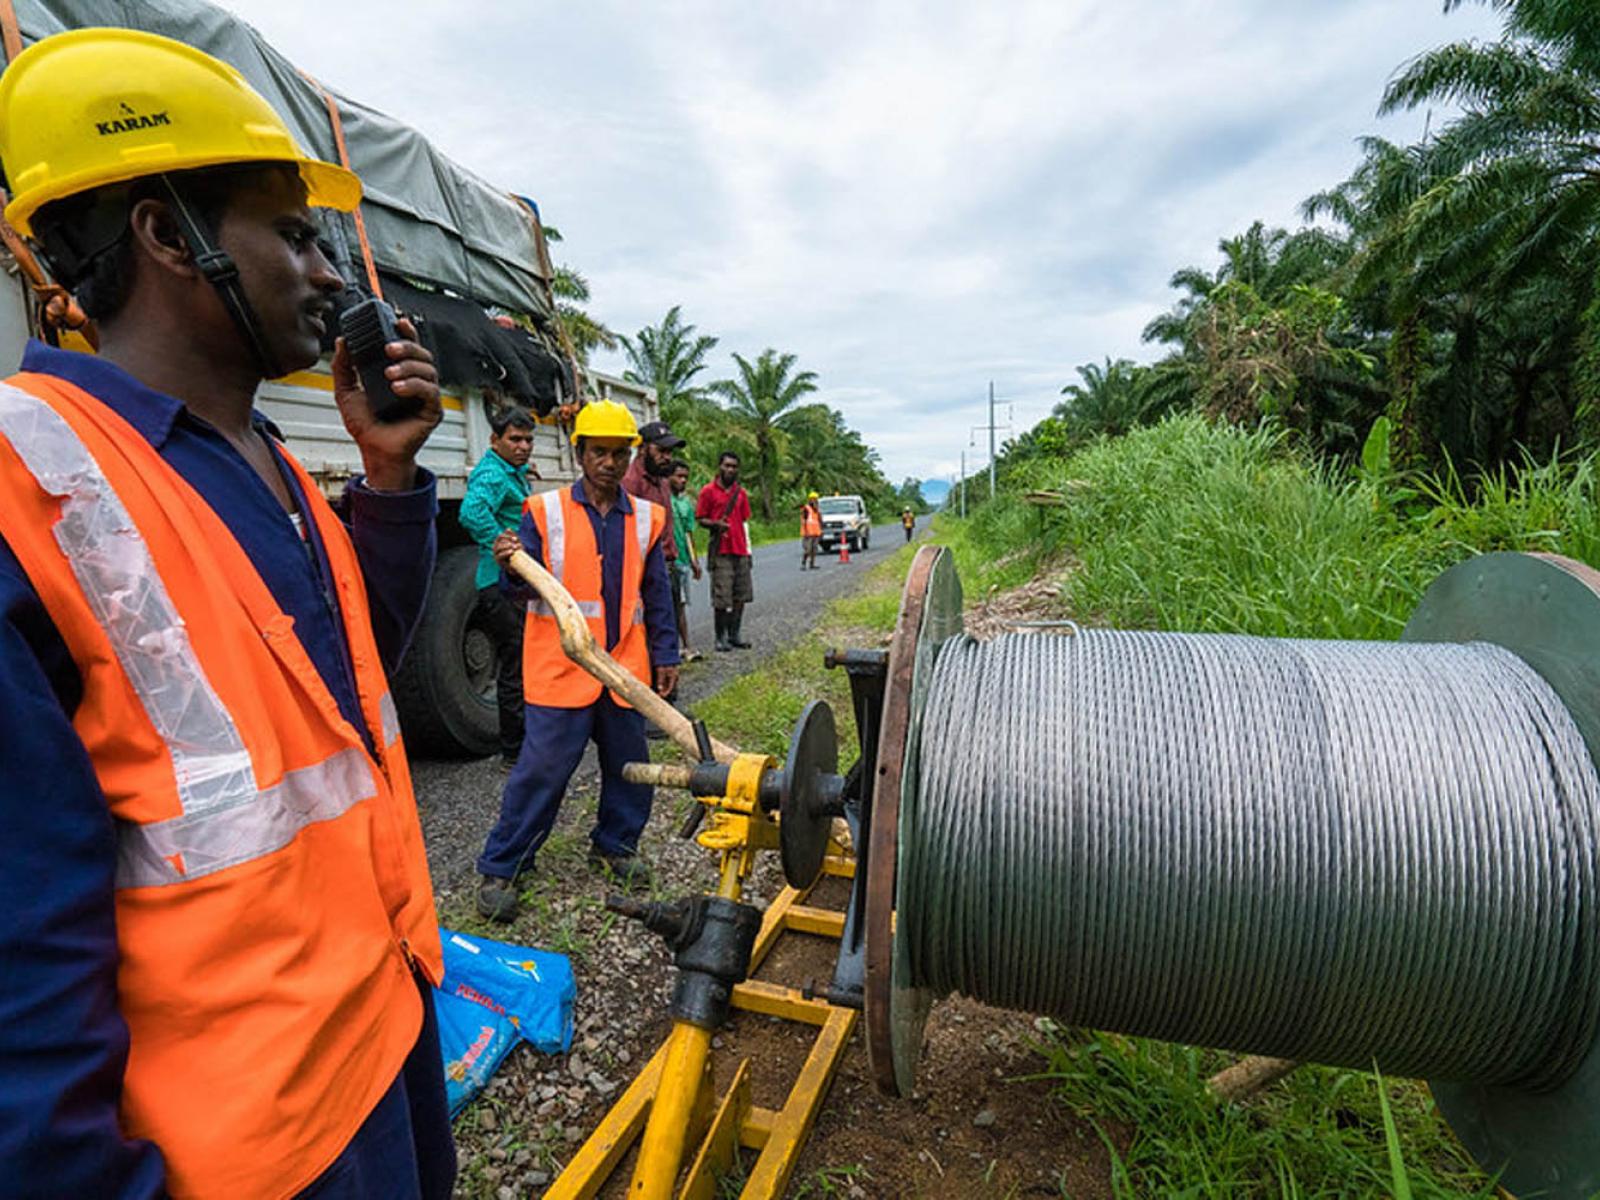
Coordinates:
723	510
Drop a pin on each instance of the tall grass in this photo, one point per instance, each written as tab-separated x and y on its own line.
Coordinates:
1192	526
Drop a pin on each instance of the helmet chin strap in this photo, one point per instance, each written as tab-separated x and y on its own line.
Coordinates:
221	273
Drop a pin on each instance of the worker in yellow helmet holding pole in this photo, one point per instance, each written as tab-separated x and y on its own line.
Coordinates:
605	547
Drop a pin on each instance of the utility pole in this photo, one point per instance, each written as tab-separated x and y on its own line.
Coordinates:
963	484
993	428
991	439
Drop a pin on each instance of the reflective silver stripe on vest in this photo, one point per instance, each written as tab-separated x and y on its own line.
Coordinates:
555	535
195	845
589	608
641	526
120	582
390	718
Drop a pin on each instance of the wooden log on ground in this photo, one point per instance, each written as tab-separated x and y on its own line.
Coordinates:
1248	1076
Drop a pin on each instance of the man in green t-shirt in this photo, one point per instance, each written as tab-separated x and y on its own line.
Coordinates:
491	505
683	526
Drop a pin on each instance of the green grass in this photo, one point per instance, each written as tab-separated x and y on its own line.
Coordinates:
1190	526
1321	1132
758	711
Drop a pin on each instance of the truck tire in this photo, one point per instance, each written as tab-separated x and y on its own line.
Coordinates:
444	689
866	539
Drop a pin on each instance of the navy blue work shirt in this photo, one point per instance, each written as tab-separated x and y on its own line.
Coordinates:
63	1043
655	590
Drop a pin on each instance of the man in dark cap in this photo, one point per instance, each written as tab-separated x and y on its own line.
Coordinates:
648	474
649	478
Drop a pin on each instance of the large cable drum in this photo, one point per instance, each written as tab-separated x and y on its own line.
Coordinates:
1334	851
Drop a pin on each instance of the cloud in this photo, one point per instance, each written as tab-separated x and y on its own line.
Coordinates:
914	198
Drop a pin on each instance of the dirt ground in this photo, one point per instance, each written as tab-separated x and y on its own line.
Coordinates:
980	1123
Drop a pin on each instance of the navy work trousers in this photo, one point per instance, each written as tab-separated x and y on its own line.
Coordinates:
553	741
403	1150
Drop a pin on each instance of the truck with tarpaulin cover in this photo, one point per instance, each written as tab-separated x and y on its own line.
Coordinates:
467	261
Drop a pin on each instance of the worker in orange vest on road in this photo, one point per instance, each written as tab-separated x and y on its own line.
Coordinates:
606	549
220	935
810	531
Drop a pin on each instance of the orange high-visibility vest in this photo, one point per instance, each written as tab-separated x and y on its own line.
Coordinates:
272	892
810	522
549	677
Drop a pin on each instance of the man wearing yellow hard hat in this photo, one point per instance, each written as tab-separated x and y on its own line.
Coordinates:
810	532
219	936
606	547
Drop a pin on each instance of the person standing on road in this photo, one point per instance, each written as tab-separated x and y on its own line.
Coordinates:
606	548
492	505
688	562
810	532
219	937
646	478
908	521
724	510
647	474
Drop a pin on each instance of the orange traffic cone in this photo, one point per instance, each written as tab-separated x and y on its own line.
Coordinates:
844	550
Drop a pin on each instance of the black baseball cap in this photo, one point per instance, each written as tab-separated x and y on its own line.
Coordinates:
659	433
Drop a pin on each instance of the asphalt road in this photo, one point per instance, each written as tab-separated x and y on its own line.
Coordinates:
459	800
787	603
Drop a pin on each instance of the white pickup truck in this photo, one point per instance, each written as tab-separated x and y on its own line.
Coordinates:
845	519
452	250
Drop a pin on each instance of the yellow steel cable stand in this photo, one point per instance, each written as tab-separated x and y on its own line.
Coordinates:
683	1137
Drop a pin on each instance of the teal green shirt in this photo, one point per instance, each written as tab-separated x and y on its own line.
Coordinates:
683	525
495	492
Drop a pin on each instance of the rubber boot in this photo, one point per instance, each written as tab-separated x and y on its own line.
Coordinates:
721	616
735	620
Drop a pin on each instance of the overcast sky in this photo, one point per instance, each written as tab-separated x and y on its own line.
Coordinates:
915	198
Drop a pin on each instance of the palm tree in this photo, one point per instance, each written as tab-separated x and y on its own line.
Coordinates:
761	397
1516	194
1109	400
667	357
572	292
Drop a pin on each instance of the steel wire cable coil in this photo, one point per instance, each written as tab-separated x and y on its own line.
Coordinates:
1333	851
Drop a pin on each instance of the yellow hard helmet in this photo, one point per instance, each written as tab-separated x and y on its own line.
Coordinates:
605	419
813	496
92	107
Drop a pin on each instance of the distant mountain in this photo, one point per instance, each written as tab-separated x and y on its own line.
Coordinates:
934	491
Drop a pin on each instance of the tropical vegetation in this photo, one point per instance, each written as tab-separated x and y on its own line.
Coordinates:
1448	286
787	445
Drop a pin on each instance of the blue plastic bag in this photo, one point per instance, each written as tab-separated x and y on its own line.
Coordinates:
493	994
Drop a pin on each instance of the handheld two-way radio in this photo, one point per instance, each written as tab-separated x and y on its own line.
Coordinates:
367	327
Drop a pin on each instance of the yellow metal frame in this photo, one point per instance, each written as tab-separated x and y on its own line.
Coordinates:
668	1108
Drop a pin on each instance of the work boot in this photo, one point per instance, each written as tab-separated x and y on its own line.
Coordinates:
628	871
735	621
498	899
722	623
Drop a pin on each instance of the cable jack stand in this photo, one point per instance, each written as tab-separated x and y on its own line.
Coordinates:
711	939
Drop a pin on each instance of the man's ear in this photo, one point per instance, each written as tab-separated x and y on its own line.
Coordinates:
156	236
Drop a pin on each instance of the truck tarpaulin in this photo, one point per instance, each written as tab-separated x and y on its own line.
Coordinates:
493	995
427	217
